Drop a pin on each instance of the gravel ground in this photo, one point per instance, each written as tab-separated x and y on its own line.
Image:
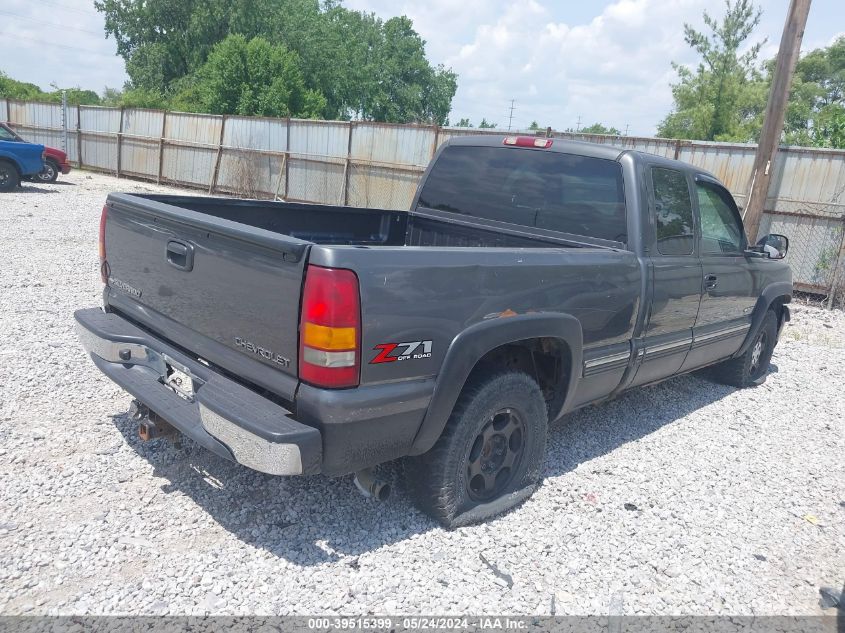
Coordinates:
684	498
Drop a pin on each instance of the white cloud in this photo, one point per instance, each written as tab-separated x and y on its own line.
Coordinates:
603	61
58	41
608	62
613	69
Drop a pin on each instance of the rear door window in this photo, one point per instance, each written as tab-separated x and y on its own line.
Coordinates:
672	212
537	188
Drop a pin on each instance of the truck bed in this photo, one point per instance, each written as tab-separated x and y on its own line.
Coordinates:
358	226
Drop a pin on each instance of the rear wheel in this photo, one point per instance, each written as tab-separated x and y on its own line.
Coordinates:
49	173
490	455
9	178
751	368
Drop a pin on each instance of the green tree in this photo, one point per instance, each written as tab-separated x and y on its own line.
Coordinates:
14	89
817	97
829	127
710	101
75	96
402	85
463	123
143	98
250	78
598	128
363	66
163	40
485	125
111	97
814	112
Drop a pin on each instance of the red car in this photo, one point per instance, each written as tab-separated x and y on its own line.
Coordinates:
55	161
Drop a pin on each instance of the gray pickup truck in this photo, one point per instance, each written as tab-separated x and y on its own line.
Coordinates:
530	277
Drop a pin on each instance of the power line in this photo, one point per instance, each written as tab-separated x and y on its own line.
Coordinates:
64	7
70	48
53	24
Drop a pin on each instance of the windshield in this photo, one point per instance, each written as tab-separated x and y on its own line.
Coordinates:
7	135
546	190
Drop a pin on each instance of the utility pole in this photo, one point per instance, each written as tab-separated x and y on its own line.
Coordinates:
626	129
761	173
510	117
578	125
64	121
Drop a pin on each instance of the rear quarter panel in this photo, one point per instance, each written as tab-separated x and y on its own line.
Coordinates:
432	294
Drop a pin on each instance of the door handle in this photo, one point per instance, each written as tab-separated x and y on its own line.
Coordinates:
180	255
710	282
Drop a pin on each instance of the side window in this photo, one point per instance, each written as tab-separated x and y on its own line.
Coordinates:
6	135
672	212
721	230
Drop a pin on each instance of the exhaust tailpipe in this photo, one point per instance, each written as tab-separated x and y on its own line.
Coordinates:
370	485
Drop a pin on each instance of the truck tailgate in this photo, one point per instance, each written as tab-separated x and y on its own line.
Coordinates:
236	288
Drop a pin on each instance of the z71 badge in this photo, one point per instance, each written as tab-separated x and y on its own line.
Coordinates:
391	352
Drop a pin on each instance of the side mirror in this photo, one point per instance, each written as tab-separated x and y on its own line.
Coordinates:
775	246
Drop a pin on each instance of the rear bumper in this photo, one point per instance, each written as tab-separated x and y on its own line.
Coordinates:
333	431
224	416
64	167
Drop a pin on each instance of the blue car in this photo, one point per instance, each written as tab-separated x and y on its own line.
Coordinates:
18	160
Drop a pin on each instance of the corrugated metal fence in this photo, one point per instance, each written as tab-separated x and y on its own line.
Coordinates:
379	165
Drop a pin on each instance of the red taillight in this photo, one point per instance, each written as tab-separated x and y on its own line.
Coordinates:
330	328
104	265
528	141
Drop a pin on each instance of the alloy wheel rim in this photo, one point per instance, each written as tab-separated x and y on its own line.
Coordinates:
495	455
46	174
757	352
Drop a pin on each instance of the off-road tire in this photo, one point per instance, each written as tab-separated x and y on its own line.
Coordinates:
440	480
751	368
9	177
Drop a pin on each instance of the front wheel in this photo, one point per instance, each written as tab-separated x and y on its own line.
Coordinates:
9	179
49	173
751	368
490	455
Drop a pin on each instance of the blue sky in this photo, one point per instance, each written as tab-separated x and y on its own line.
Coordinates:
606	61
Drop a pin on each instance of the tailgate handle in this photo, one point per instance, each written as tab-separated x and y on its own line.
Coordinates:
180	254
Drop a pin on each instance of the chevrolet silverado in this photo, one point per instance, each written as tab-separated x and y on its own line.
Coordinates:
531	277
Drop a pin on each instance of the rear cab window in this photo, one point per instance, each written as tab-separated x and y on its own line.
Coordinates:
560	192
